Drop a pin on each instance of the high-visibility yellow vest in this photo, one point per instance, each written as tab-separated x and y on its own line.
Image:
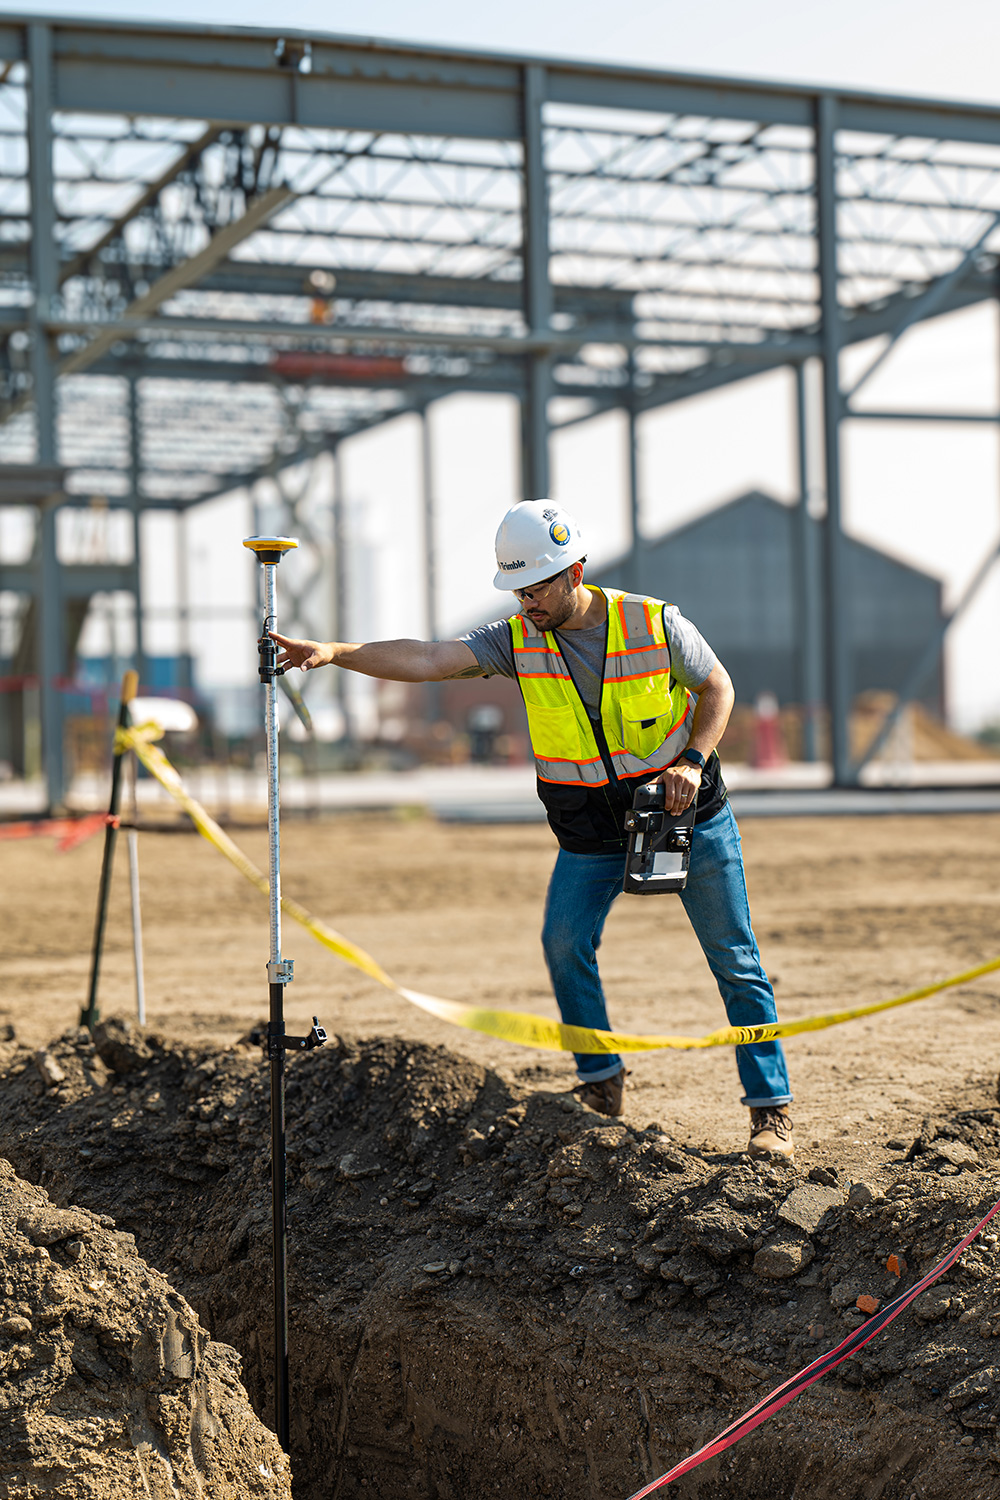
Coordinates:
645	716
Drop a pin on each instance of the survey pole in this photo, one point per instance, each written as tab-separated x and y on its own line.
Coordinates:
269	551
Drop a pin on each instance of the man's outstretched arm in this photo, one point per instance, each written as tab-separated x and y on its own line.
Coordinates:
395	661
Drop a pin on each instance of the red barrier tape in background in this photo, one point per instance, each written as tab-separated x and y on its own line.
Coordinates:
68	831
793	1387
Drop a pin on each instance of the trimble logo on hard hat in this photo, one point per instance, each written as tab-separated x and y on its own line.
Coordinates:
544	539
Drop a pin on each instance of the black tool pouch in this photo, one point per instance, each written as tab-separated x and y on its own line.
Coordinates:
659	845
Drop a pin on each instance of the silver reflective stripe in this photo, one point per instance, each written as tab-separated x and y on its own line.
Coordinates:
635	620
627	764
646	663
540	664
571	772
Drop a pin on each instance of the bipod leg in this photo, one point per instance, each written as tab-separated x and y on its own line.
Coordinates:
89	1016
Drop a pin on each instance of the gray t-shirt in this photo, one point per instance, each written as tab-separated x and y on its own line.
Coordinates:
691	657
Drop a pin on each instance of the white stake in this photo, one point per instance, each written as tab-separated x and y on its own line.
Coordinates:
133	880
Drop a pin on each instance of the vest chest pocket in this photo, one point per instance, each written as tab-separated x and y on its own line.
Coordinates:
646	720
556	733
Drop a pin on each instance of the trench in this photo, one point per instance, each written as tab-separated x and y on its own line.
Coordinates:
496	1293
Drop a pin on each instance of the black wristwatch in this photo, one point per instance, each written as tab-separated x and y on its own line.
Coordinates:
695	757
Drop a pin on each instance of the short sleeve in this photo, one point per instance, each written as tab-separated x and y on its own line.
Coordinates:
691	657
492	648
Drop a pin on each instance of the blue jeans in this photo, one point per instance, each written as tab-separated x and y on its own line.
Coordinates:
581	891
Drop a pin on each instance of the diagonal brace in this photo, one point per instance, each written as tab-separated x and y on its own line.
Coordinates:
181	276
187	158
924	306
925	662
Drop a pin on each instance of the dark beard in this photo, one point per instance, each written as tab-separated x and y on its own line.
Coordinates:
560	610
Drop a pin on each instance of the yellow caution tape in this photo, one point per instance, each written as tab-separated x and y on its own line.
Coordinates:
509	1025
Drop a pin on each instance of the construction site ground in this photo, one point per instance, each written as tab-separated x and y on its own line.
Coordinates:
492	1262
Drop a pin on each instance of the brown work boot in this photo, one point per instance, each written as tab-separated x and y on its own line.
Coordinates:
771	1132
606	1096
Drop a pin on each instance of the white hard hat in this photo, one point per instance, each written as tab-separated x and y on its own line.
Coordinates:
536	540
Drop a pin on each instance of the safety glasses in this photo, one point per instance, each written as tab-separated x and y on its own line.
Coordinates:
539	590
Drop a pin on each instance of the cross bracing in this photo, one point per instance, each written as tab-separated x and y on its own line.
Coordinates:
224	251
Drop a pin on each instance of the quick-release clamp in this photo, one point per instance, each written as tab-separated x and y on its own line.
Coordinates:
267	649
276	1042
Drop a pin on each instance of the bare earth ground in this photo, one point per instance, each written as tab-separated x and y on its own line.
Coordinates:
846	911
493	1291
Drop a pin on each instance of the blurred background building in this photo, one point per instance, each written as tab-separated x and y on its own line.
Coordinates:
388	289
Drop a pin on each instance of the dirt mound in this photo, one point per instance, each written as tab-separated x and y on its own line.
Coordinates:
496	1293
111	1388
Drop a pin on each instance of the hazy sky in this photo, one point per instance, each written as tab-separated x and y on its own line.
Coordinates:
930	495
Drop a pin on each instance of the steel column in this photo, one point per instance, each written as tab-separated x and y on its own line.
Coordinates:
633	580
430	553
836	608
135	468
340	585
809	581
537	288
45	276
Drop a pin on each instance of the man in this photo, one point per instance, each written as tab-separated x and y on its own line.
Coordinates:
618	689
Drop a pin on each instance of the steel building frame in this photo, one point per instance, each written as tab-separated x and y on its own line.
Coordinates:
224	251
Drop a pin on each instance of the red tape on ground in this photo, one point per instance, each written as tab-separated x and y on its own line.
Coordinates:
783	1394
69	831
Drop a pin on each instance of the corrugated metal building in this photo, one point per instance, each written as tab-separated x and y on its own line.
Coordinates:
734	572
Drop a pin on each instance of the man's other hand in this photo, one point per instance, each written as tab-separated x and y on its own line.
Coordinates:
680	787
303	654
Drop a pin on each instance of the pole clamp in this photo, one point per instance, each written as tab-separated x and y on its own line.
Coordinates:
267	649
277	1042
281	971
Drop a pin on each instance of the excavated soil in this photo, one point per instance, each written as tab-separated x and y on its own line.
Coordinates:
494	1292
110	1387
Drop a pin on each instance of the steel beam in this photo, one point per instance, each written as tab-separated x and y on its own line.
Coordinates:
974	417
77	581
836	608
242	75
538	302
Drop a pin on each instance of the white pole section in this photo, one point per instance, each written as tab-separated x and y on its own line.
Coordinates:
133	880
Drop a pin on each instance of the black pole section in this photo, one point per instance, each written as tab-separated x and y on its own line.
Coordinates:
279	1210
90	1015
